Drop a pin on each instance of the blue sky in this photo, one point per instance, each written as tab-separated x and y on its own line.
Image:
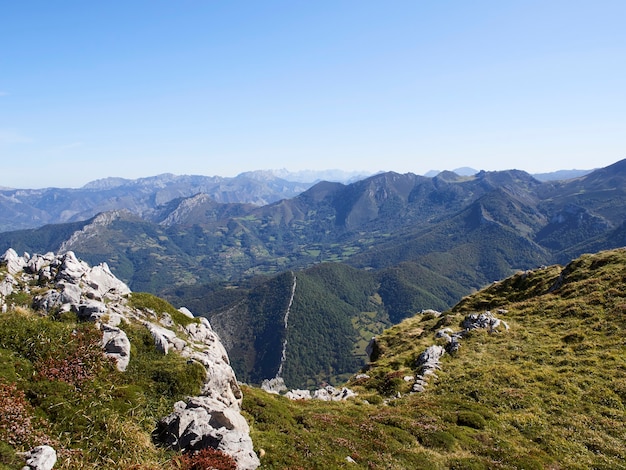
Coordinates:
137	88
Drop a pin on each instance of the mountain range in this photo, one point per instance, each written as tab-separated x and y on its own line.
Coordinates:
340	262
32	208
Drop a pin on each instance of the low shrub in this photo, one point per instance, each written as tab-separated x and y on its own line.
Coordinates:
438	439
206	459
79	361
470	419
16	418
145	301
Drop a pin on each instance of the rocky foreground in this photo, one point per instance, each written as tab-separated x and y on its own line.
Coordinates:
212	419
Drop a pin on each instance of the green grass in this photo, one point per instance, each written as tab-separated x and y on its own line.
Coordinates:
74	399
146	301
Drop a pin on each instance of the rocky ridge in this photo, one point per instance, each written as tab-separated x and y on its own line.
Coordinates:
63	283
428	362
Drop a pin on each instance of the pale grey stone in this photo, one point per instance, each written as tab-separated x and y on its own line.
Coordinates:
298	394
275	385
13	261
185	311
40	458
116	345
6	286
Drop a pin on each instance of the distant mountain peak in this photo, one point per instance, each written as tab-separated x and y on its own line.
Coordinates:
311	176
463	171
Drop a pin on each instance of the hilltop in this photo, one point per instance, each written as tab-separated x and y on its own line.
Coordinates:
545	388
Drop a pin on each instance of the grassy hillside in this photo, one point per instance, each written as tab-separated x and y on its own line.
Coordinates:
548	393
57	388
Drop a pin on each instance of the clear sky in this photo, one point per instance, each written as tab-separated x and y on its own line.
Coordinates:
133	88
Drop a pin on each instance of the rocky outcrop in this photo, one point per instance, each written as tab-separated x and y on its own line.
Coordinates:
329	393
428	361
213	418
13	261
275	385
95	294
427	364
484	320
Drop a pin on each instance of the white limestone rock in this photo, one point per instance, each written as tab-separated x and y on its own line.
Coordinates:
484	320
6	285
298	394
427	363
40	458
185	311
13	261
92	310
330	393
163	337
116	345
275	385
206	422
104	283
71	268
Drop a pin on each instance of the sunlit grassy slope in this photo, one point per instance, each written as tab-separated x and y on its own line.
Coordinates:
547	393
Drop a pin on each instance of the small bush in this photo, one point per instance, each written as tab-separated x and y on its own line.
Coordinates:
16	418
206	459
79	361
438	440
470	419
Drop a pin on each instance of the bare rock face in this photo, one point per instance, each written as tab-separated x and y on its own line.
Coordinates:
213	418
6	285
221	383
14	262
